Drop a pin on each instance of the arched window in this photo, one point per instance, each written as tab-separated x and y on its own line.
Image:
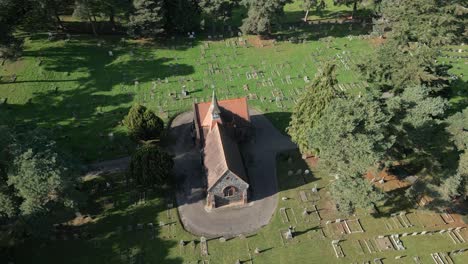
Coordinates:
229	191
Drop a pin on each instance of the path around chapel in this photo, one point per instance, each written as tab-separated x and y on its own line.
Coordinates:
260	158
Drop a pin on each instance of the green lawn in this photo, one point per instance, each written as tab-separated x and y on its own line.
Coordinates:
80	93
109	240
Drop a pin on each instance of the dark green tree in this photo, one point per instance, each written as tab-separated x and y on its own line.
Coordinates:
182	15
143	124
148	18
417	125
262	15
217	11
11	14
40	182
310	107
355	192
354	3
88	10
150	166
428	22
393	67
458	128
352	135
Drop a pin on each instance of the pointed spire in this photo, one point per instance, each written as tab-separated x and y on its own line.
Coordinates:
214	108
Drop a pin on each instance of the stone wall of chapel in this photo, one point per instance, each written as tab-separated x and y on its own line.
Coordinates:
228	180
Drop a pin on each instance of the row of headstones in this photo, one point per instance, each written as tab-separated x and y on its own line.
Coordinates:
299	172
427	232
140	226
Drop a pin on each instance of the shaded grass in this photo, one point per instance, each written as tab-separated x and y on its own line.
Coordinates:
308	246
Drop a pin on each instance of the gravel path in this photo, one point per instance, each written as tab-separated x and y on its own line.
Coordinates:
261	166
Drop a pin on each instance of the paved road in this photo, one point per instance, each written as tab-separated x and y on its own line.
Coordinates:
261	166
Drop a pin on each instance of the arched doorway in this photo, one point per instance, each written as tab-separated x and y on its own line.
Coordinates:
230	191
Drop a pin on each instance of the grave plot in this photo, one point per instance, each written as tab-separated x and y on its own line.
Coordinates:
447	217
353	226
456	236
337	249
441	258
430	220
367	246
311	214
308	196
462	232
288	215
337	227
383	243
167	230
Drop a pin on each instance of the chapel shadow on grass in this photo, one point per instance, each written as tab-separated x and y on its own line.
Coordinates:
291	171
85	119
280	120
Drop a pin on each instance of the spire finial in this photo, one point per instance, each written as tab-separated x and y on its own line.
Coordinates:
214	105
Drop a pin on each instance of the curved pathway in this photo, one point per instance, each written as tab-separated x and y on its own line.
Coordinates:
260	156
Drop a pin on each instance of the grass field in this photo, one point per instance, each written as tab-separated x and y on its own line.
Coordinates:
80	93
77	90
107	238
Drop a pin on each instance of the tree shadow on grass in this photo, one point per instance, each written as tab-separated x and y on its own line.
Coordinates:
119	233
85	118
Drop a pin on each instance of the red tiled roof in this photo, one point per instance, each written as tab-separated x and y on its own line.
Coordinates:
234	108
221	155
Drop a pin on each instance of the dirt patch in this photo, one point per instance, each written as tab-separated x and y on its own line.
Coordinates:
258	42
391	182
377	41
80	220
312	161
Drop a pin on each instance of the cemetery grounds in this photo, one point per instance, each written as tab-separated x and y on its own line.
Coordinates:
77	89
121	226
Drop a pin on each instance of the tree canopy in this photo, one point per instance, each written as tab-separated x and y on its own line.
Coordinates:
310	106
351	193
262	15
150	166
39	178
148	19
142	123
352	135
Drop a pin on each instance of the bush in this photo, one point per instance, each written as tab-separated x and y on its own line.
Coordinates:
150	166
143	124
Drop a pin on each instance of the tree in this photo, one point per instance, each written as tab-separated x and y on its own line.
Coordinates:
428	22
352	192
393	67
352	135
217	10
418	128
262	15
8	208
310	106
307	5
150	166
142	123
182	15
148	19
354	3
39	182
88	10
458	127
11	13
451	186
